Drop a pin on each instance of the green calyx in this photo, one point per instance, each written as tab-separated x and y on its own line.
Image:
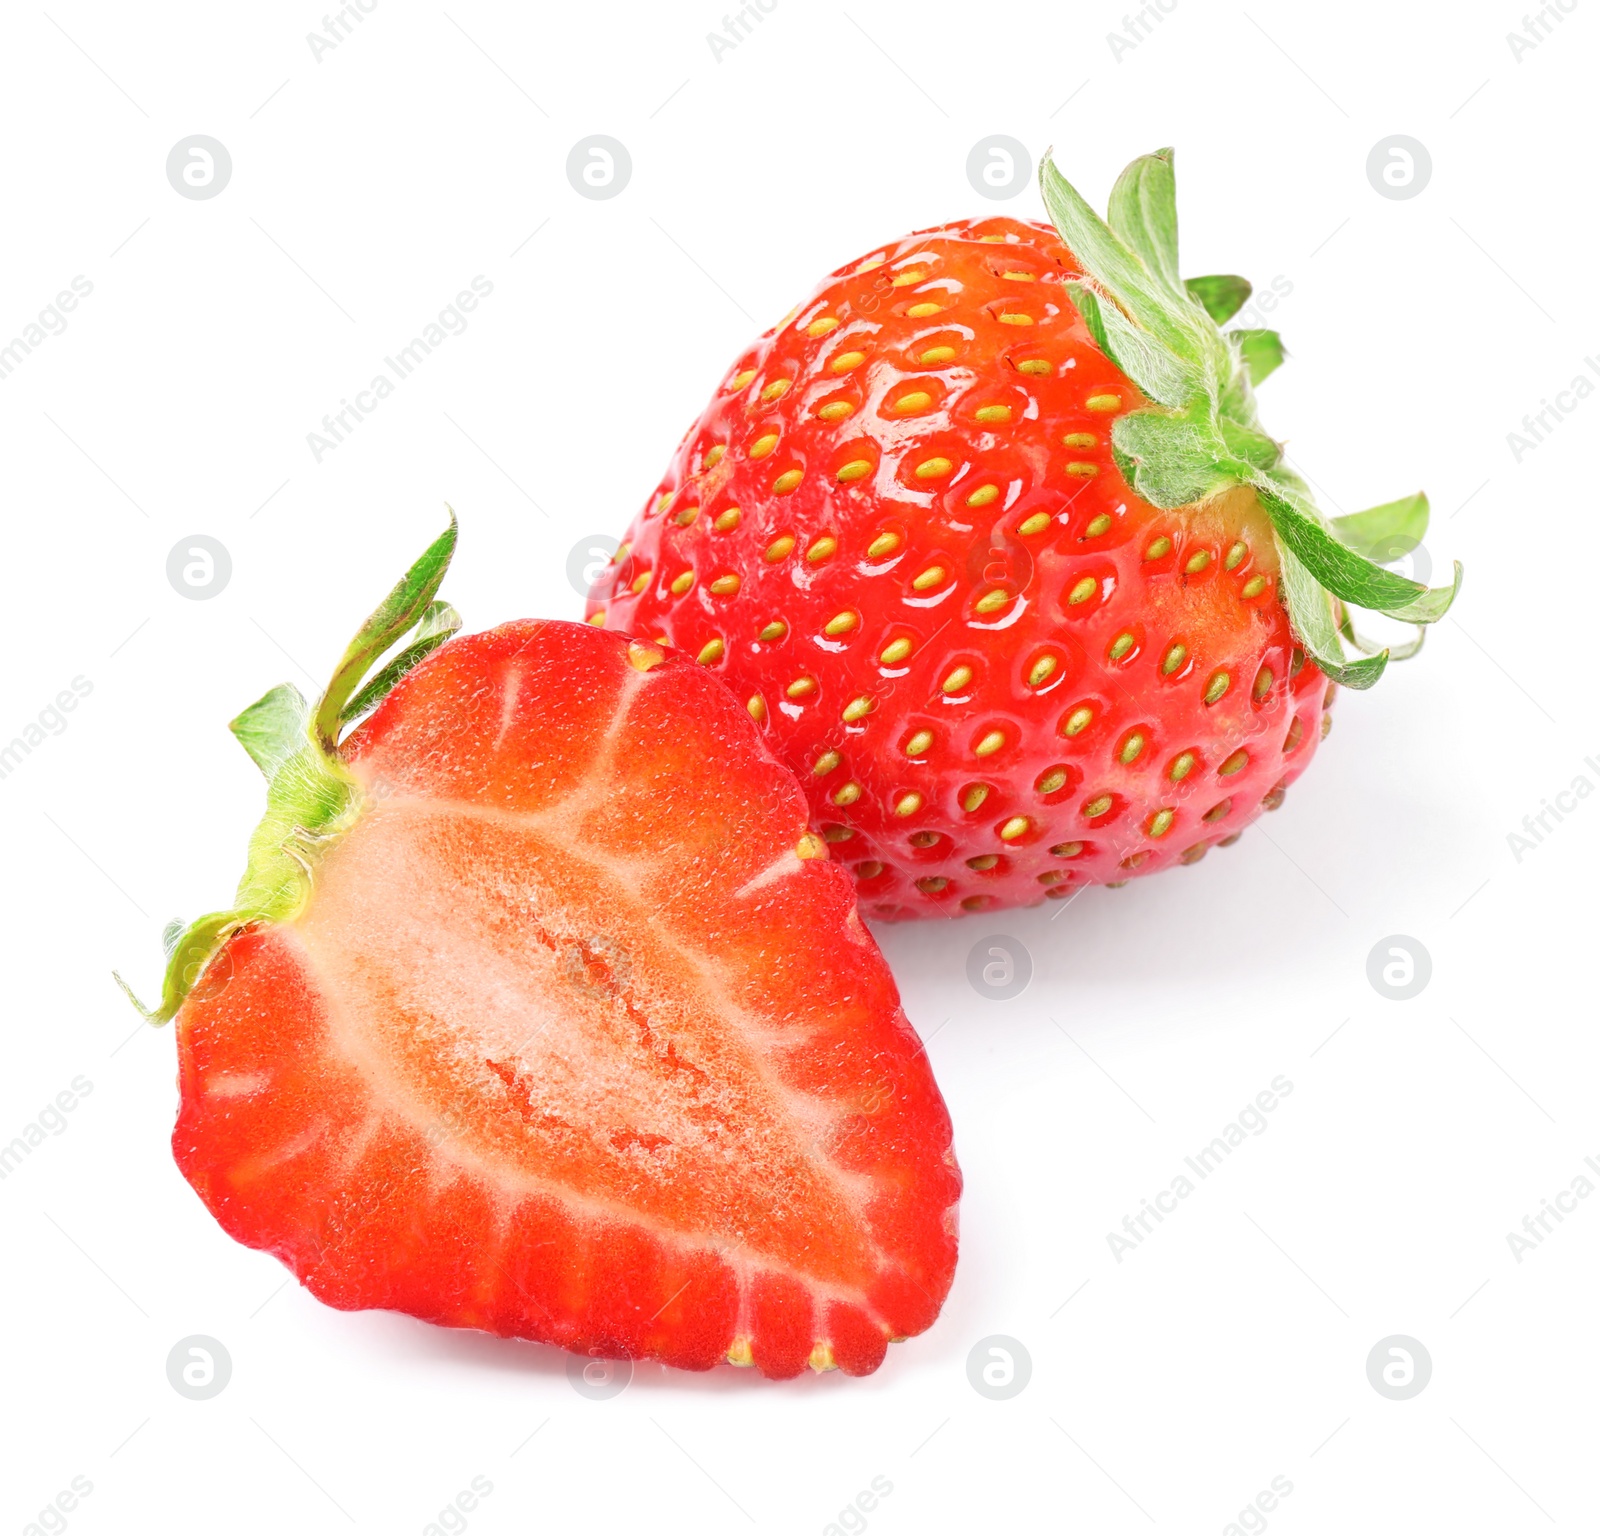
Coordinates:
312	798
1199	437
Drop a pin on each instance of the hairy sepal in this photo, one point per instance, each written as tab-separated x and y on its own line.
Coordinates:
1349	576
1162	374
1312	616
1177	459
438	623
1198	435
272	729
1260	351
404	607
1144	211
312	798
1402	652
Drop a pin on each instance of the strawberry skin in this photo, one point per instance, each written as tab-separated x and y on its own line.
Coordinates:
1015	615
962	552
571	1031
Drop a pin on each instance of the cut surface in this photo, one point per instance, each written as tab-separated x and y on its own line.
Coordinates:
578	1038
466	959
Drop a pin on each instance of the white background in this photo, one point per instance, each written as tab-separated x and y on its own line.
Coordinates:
367	189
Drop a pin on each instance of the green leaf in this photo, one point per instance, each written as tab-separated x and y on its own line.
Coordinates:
1262	352
1087	303
389	621
1357	675
273	728
1197	435
1160	373
1396	652
1174	458
1432	605
1411	647
1390	532
437	624
1144	211
312	796
190	954
1386	533
1249	443
1347	575
1106	259
1221	296
1311	615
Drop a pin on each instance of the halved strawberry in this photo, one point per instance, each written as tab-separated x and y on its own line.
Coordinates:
540	1011
989	539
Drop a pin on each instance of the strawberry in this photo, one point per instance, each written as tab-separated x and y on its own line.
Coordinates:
540	1011
988	539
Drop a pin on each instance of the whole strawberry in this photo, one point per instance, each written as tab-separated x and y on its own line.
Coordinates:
989	540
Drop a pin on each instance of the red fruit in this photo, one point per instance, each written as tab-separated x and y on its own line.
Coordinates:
985	535
541	1012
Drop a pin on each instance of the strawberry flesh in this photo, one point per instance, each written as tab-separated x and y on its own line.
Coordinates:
577	1038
